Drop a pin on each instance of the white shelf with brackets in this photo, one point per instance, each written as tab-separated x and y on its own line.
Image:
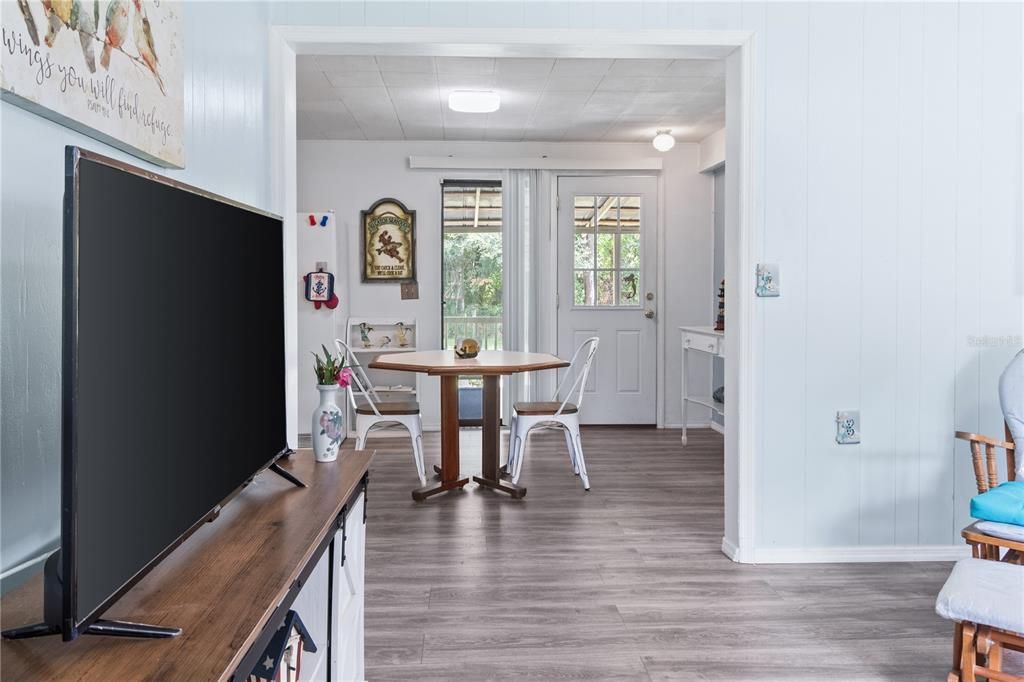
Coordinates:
381	335
369	337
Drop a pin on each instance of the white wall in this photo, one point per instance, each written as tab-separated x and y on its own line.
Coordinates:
226	143
917	207
349	176
712	151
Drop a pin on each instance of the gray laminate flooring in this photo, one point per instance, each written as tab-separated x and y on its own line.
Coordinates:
625	582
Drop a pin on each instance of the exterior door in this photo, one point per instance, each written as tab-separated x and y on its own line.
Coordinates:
607	270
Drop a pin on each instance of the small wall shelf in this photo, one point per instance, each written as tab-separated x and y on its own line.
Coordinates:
710	343
383	333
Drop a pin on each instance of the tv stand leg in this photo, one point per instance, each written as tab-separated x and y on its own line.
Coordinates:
118	628
287	475
37	630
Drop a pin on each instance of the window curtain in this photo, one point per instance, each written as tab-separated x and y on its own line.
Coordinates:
523	219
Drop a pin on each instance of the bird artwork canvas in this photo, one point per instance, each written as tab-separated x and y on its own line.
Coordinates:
111	69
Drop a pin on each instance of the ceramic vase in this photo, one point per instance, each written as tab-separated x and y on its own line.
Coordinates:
328	428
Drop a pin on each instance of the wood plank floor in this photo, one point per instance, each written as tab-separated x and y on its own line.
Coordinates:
625	582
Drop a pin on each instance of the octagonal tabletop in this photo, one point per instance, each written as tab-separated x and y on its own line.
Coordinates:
488	362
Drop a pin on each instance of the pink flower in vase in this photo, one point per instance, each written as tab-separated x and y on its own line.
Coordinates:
344	377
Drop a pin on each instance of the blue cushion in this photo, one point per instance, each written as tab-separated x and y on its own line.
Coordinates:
1004	503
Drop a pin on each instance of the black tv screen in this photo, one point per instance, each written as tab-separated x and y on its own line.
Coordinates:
174	368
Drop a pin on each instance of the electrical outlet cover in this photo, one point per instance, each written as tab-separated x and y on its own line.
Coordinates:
767	280
848	427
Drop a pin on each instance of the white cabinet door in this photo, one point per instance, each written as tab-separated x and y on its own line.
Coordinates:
347	645
312	606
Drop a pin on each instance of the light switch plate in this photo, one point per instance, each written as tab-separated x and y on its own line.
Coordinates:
767	280
848	427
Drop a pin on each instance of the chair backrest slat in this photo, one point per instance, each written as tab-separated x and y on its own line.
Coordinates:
580	383
986	470
359	382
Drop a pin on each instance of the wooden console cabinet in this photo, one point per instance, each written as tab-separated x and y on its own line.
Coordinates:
274	547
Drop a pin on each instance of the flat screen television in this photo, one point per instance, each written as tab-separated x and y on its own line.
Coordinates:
173	376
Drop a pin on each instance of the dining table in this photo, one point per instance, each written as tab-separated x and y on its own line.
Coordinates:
491	365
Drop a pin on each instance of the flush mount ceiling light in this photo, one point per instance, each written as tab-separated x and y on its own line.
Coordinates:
474	101
664	141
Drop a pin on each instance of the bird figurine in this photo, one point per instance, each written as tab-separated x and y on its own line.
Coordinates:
144	42
116	29
364	334
402	333
30	21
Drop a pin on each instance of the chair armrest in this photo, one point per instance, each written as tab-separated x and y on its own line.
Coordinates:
978	438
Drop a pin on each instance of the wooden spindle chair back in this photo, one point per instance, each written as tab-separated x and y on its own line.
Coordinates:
986	469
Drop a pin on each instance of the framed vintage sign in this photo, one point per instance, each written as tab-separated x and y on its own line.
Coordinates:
112	70
389	242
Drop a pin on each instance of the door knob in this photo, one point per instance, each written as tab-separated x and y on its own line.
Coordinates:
649	314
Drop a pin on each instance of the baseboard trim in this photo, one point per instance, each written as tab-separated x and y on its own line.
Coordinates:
859	554
715	426
730	550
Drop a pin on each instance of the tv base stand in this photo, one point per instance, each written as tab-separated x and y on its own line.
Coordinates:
52	613
287	475
110	628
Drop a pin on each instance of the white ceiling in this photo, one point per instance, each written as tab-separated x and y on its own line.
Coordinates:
406	98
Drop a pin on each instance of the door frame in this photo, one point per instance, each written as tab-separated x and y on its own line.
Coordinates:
659	277
745	139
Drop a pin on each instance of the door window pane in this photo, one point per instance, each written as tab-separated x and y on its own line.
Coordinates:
583	256
605	287
629	250
629	287
583	288
606	250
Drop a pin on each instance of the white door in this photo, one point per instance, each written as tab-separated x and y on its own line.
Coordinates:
607	269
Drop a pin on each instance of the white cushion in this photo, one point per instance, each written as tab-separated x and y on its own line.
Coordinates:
1011	398
1007	531
984	592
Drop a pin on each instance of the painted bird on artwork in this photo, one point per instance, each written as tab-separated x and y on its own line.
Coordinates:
71	13
30	21
58	13
144	41
84	21
116	29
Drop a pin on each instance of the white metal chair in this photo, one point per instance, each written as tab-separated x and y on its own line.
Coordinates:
565	415
371	411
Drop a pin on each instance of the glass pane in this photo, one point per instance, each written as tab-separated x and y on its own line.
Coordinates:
584	201
629	214
584	250
629	251
606	251
629	287
608	214
472	263
583	289
606	287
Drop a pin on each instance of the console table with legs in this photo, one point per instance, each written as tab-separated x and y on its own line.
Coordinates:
709	343
273	548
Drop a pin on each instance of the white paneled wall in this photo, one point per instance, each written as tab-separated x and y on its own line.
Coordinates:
226	146
886	184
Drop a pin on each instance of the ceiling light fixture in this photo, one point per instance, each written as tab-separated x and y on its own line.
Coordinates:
664	141
474	101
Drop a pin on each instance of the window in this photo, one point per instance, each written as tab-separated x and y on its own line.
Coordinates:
472	262
606	259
